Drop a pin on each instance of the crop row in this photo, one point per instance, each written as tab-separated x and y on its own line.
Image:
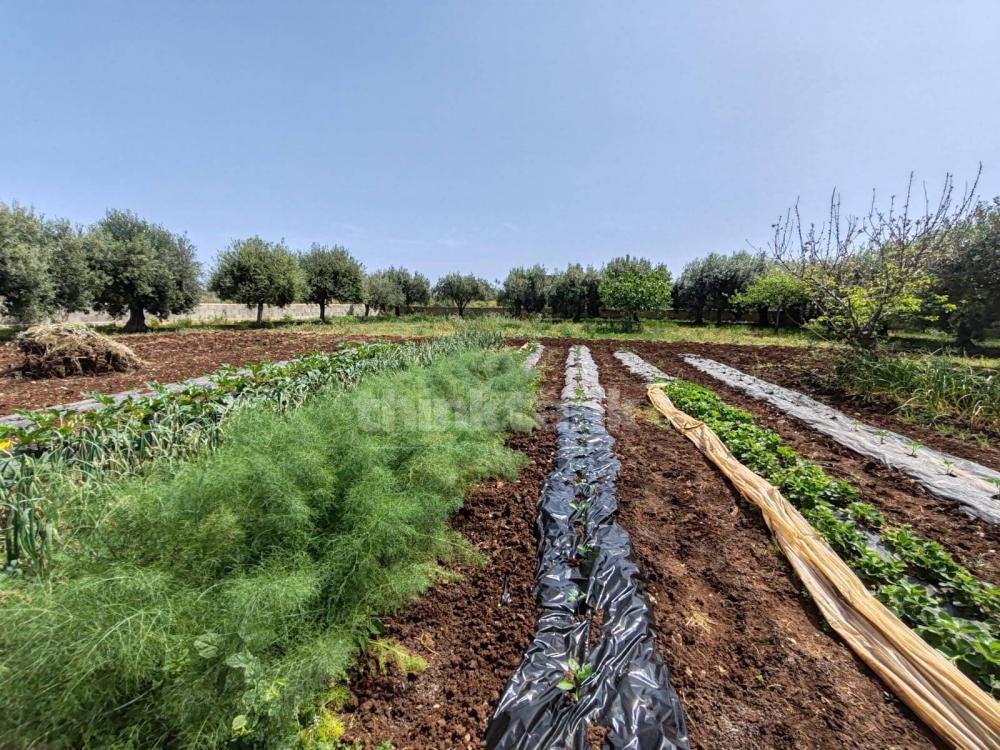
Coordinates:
118	439
915	578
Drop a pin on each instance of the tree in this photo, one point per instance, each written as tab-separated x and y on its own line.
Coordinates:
968	273
415	287
74	280
575	292
862	273
26	289
141	267
462	289
711	283
525	290
634	286
331	274
690	291
257	272
382	291
776	290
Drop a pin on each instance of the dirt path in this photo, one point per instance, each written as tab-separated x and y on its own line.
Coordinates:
472	642
972	541
170	357
753	663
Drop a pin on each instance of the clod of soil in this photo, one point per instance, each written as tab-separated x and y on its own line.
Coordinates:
59	350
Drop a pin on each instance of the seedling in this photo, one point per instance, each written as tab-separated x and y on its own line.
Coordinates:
576	596
949	467
995	483
882	435
914	446
584	549
576	674
580	506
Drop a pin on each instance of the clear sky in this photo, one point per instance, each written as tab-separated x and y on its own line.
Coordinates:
479	135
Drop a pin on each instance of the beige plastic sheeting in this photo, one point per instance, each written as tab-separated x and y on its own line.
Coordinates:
934	688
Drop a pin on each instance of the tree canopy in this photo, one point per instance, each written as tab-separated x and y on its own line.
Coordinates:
575	292
634	286
461	289
142	268
525	289
331	273
256	272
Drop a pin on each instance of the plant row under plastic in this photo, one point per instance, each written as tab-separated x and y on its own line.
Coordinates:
592	661
916	578
170	422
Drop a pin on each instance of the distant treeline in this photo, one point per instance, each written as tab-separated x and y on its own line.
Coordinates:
847	279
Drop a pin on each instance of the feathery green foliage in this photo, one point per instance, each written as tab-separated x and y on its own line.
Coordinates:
208	602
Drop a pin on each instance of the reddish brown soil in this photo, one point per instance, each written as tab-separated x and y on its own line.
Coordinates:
170	357
471	641
753	663
972	541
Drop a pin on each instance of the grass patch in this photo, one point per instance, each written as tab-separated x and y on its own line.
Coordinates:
928	389
209	602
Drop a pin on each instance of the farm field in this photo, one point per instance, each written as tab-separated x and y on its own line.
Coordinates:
751	658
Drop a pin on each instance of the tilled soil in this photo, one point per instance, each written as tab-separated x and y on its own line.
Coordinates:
472	641
972	541
170	357
751	659
749	655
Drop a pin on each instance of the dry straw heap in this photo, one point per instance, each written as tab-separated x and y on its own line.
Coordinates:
59	350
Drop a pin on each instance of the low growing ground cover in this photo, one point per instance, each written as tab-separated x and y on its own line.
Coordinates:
264	565
916	578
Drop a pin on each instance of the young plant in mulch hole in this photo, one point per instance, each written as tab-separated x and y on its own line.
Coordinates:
914	446
576	674
995	483
585	556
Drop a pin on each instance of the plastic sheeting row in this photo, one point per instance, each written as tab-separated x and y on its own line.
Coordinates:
972	485
592	611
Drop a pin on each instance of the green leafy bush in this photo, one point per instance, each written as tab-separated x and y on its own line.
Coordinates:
206	603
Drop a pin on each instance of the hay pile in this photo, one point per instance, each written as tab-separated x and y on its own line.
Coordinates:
59	350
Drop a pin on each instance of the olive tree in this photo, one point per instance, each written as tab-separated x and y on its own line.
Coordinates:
575	292
968	273
861	273
256	272
142	268
382	291
26	288
414	286
44	265
712	283
525	289
461	289
634	286
331	274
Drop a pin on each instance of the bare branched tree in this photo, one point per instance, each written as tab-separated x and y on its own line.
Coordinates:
861	272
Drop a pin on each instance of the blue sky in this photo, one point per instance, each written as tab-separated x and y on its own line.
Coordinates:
477	135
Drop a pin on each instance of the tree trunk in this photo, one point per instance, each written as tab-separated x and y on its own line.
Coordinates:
777	319
461	310
718	316
322	311
963	336
367	309
762	311
260	313
136	320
